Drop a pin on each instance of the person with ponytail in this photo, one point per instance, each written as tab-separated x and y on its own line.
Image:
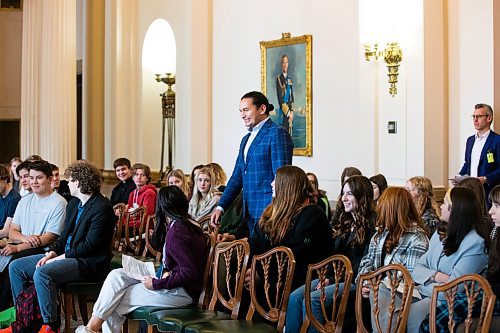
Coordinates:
181	274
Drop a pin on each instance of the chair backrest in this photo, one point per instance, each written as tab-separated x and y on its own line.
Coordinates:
270	284
135	220
472	289
337	270
148	248
118	234
206	288
230	265
399	285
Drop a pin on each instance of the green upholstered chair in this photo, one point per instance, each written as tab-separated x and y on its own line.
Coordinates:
338	270
150	314
271	281
230	265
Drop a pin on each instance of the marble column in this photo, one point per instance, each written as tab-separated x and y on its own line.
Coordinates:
48	92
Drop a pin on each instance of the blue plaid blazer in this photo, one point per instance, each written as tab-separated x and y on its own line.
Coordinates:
271	149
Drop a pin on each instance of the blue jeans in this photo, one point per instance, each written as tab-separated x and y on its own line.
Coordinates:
47	279
296	311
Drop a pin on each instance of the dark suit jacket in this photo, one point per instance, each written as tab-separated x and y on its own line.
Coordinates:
91	240
271	149
489	169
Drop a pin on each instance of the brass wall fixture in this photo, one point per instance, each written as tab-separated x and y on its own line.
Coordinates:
393	55
168	115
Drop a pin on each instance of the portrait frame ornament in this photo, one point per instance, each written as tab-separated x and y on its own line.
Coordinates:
286	79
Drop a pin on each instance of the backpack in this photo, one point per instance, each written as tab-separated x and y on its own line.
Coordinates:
28	316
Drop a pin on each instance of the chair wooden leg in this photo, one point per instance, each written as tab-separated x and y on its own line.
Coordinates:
68	311
150	328
82	303
125	326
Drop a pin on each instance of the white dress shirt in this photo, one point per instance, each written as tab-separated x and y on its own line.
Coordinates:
253	133
475	155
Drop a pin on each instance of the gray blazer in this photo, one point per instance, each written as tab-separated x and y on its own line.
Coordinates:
468	259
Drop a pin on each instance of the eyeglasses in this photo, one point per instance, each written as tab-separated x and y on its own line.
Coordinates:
478	116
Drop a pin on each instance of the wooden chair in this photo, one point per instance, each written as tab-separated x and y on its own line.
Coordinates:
400	286
148	248
82	290
476	289
340	269
135	220
271	281
151	314
228	274
117	236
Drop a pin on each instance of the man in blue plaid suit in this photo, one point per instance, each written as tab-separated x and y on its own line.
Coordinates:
267	147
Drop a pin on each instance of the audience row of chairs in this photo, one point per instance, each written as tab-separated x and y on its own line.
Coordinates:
270	283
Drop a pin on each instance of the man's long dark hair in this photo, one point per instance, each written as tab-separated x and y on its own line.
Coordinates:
172	205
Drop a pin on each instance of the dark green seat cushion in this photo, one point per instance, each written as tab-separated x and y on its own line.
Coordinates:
144	312
233	326
174	320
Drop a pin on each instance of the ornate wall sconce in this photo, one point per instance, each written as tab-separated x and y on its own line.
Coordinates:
393	55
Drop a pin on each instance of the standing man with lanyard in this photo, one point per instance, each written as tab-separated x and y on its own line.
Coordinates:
267	147
482	151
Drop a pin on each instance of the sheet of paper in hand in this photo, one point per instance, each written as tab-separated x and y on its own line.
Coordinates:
137	269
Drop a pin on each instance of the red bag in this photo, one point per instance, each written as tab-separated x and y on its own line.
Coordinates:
28	316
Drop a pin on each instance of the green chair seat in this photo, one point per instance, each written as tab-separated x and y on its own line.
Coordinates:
174	320
233	326
144	312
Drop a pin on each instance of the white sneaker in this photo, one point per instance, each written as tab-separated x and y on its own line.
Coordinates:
84	329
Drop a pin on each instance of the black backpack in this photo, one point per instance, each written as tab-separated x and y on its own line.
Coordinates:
28	316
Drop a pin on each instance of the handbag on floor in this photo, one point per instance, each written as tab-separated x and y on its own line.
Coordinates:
28	316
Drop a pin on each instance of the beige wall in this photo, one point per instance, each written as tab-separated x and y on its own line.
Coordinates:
11	23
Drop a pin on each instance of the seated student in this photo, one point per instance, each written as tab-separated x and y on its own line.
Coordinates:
144	194
205	197
8	202
346	173
177	178
81	253
121	192
58	185
14	178
220	179
37	222
462	252
192	182
492	275
421	191
322	199
23	172
379	184
185	254
351	236
401	237
293	220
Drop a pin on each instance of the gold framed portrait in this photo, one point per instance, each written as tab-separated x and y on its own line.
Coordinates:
286	79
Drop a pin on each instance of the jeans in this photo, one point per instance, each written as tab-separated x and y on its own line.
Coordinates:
121	294
296	311
47	279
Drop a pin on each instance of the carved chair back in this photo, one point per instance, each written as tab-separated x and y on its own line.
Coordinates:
270	284
230	265
472	289
336	272
391	290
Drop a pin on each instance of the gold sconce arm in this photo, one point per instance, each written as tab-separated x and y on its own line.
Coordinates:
393	55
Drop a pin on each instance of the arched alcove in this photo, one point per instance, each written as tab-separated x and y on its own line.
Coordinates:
158	57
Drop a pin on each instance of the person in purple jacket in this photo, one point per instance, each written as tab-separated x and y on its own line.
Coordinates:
184	258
